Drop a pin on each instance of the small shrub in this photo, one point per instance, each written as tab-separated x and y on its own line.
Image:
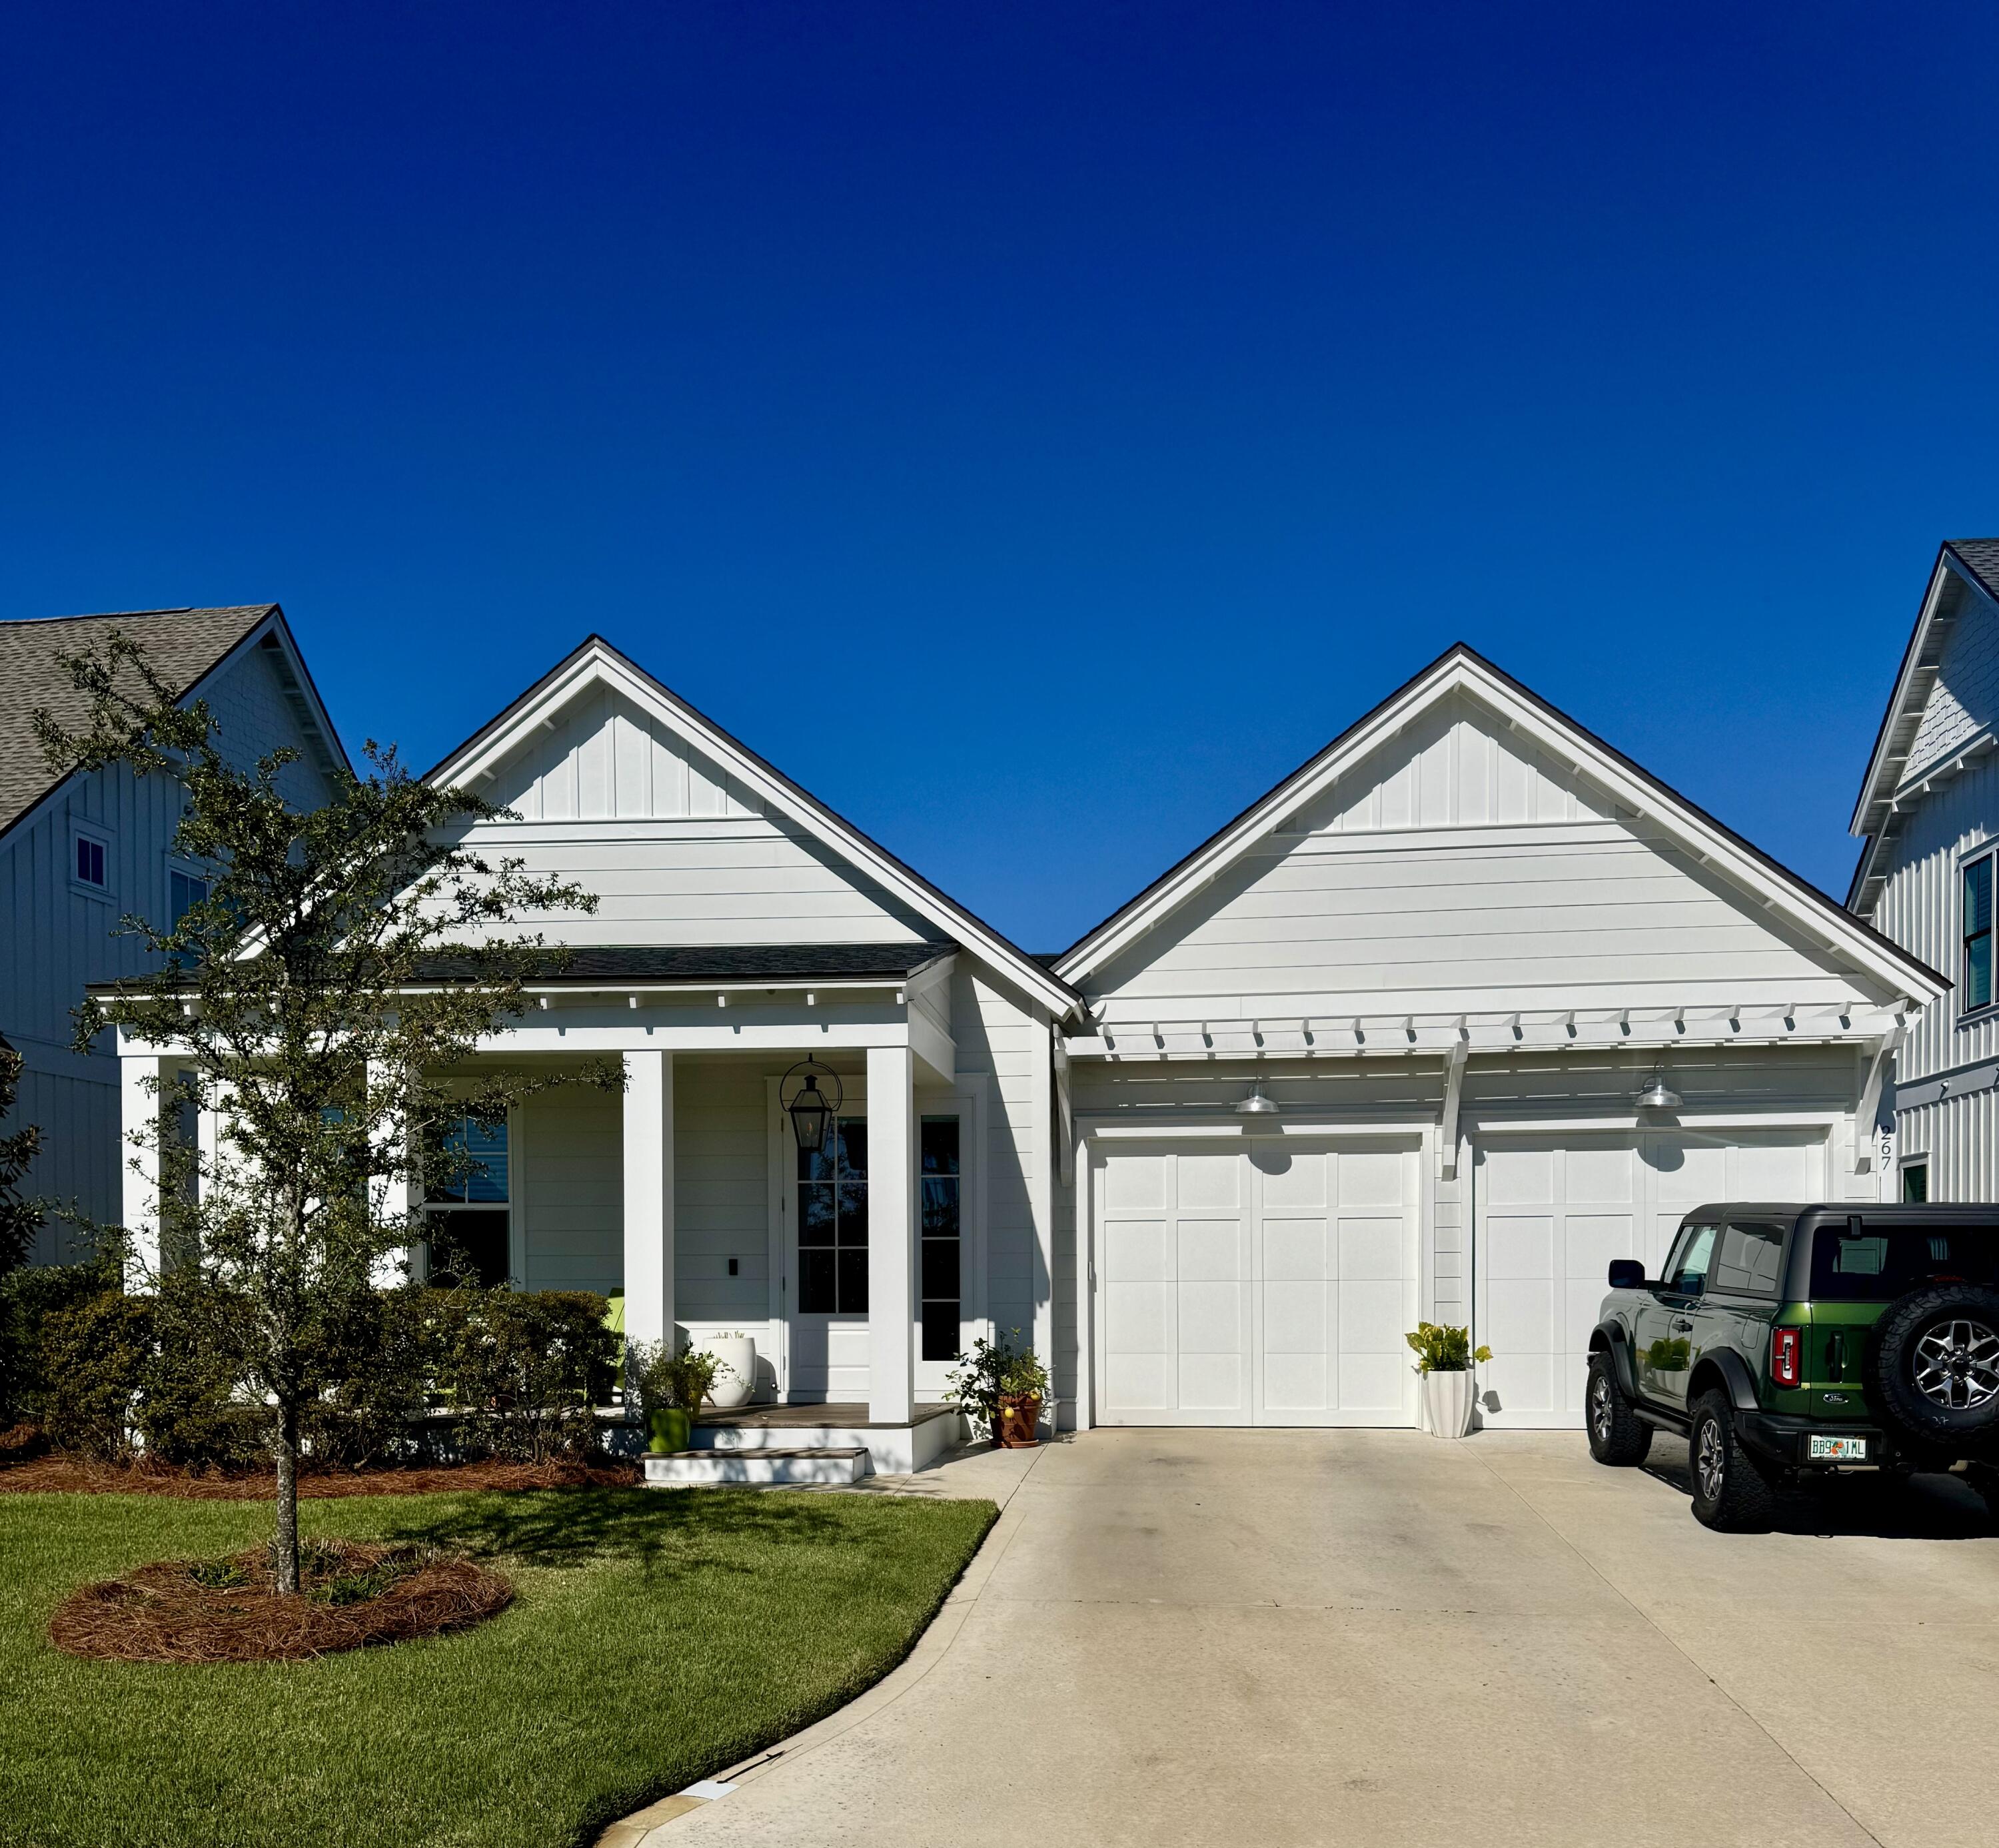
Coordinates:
525	1371
195	1409
666	1380
993	1371
94	1357
28	1299
1439	1349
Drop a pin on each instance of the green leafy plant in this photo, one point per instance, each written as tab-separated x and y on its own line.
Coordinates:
993	1371
1439	1349
667	1380
524	1371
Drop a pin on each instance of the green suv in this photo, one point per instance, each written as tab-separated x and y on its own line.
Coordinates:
1787	1340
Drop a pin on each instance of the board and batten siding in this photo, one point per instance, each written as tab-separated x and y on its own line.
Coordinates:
60	936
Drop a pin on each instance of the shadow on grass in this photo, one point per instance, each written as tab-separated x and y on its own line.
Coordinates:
578	1527
1883	1507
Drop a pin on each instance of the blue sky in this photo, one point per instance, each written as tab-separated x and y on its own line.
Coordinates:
1036	428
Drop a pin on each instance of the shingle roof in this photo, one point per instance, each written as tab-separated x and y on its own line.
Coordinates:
1982	556
726	962
181	645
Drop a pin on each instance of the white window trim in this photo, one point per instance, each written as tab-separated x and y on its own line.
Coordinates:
1988	851
515	1206
92	831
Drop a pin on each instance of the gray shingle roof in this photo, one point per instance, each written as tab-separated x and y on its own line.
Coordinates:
183	645
1983	556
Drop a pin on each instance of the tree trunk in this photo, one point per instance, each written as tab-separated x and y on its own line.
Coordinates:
285	1540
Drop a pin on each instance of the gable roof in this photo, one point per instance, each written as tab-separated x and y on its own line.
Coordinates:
597	663
1965	570
185	647
1462	669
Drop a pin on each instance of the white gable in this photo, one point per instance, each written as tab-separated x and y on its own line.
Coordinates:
1454	765
1466	851
602	758
1964	702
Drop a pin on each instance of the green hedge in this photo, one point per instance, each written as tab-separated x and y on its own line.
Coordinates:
405	1374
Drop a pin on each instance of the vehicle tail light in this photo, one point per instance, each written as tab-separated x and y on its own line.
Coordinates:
1787	1348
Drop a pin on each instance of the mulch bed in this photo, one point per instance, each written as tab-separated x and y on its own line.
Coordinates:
353	1596
81	1476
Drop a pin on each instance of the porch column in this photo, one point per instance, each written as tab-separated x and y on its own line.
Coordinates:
394	1195
892	1234
140	1077
648	1196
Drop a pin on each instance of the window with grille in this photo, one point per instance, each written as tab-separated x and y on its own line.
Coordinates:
943	1224
833	1221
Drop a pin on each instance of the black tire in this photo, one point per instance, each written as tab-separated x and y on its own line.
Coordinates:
1617	1435
1732	1491
1931	1369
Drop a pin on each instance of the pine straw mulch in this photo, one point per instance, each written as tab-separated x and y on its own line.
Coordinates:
354	1595
65	1475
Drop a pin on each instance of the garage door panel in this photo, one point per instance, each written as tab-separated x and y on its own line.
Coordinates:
1206	1182
1690	1173
1295	1251
1138	1251
1297	1181
1213	1383
1136	1181
1779	1172
1520	1177
1372	1177
1595	1238
1212	1317
1139	1317
1211	1250
1140	1382
1520	1316
1372	1382
1523	1383
1368	1315
1373	1249
1601	1174
1520	1245
1294	1318
1296	1383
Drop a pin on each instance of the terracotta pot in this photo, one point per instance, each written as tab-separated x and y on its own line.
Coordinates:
1020	1418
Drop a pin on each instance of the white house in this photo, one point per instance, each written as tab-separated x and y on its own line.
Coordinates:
1928	811
78	853
1373	1054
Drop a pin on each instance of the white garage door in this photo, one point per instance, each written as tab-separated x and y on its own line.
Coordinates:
1550	1214
1269	1286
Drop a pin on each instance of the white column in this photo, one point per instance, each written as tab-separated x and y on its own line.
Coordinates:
394	1195
139	1110
892	1234
648	1196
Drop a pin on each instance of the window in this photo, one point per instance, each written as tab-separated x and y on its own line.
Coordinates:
1975	985
832	1223
184	892
468	1211
1686	1273
1859	1263
1748	1259
89	860
1915	1183
943	1224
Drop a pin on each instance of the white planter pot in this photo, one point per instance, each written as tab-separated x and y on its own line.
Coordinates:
736	1377
1447	1402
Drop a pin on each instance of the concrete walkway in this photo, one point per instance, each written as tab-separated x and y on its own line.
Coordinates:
1373	1638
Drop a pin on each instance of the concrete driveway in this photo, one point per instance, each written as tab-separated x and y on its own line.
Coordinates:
1371	1637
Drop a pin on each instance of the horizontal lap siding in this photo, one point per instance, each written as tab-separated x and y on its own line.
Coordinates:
569	1161
57	938
1465	924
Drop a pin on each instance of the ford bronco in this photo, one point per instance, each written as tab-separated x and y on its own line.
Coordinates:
1787	1340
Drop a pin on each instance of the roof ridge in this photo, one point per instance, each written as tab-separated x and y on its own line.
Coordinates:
178	609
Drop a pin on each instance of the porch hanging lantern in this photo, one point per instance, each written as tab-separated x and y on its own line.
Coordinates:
809	1109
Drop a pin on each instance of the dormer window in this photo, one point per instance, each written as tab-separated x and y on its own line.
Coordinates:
1975	979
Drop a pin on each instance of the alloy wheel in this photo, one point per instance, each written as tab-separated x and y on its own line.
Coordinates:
1710	1460
1600	1408
1956	1363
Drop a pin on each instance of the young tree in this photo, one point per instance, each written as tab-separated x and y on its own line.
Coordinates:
345	958
19	1216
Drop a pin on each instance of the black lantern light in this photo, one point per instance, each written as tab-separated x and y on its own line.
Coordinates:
809	1109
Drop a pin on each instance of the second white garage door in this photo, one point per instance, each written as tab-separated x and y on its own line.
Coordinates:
1272	1286
1552	1212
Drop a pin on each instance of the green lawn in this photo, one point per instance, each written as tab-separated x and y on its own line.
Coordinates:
655	1637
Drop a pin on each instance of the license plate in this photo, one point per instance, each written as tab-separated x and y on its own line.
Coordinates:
1836	1450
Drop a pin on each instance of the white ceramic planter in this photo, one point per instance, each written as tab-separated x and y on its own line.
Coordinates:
1447	1402
736	1377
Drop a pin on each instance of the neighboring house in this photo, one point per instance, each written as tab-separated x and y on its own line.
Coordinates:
1462	1009
1929	811
79	853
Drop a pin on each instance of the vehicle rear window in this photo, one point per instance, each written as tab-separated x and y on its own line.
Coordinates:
1876	1263
1750	1256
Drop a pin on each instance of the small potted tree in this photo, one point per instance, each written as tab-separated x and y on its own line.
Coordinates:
670	1388
1444	1358
1000	1389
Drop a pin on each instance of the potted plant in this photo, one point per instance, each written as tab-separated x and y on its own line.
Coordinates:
735	1369
1444	1357
1000	1389
670	1387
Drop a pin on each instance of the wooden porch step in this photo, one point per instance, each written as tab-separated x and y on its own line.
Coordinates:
823	1463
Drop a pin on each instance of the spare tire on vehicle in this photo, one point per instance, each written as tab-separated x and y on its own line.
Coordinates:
1933	1368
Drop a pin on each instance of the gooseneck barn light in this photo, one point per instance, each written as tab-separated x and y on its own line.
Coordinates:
1256	1104
1658	1094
